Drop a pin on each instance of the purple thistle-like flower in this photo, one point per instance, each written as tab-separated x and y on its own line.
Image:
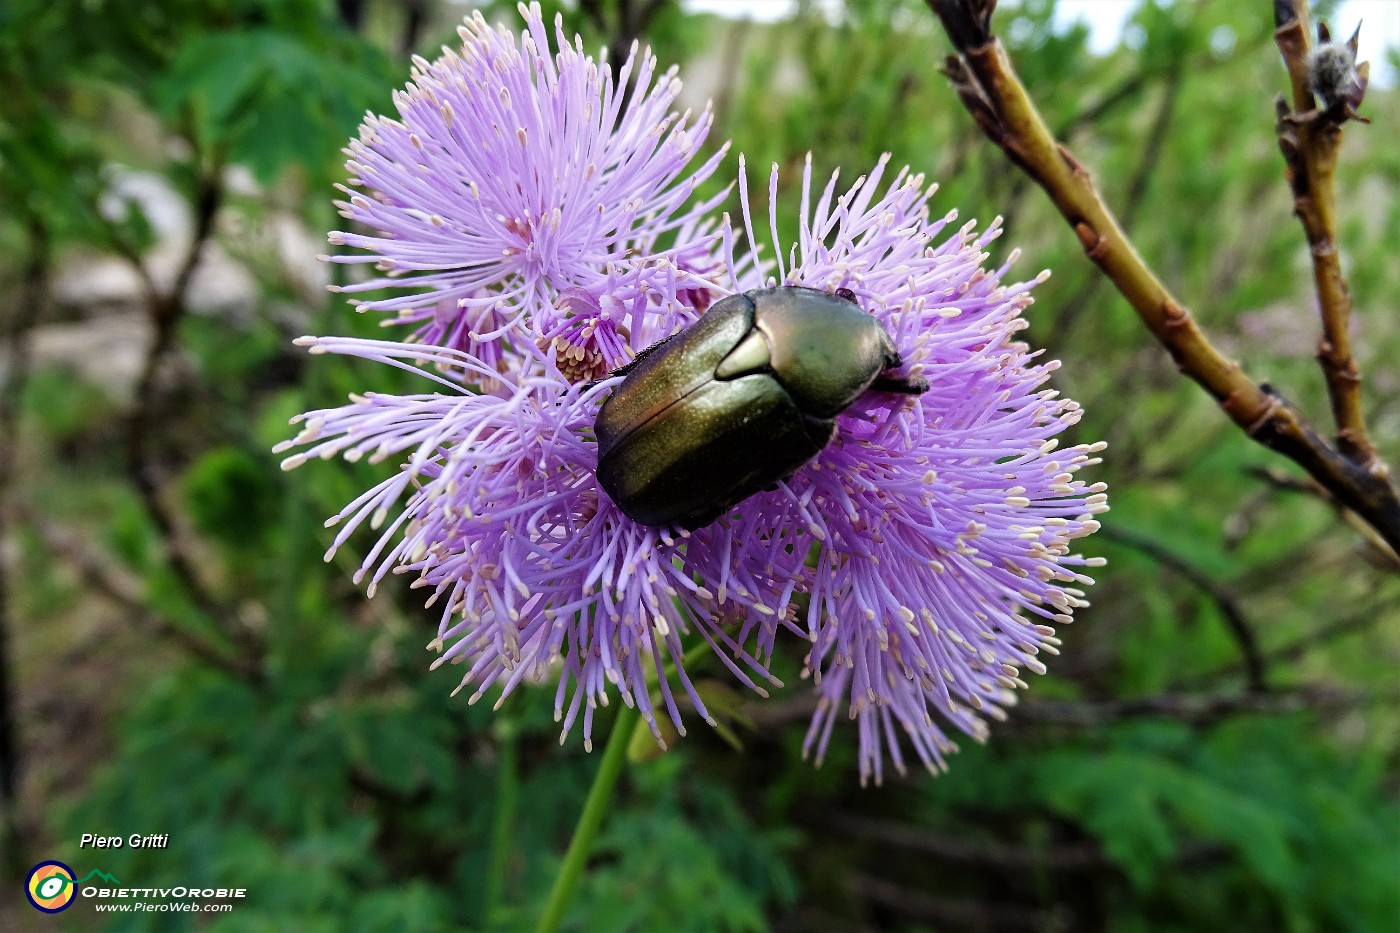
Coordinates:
501	516
514	174
944	521
932	535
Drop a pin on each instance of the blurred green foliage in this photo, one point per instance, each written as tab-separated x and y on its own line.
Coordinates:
338	782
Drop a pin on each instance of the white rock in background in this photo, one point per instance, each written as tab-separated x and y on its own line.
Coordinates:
106	342
108	352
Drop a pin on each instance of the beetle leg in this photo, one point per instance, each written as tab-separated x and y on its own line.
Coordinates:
903	385
820	430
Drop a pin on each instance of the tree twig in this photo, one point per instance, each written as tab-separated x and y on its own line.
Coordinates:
1195	708
1349	624
1381	552
947	912
1063	857
992	92
1310	140
166	308
1235	620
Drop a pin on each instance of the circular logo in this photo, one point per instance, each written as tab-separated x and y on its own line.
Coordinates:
50	887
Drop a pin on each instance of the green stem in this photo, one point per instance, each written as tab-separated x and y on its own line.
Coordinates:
507	793
590	820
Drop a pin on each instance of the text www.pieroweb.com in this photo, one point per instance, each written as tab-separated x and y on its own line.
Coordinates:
181	907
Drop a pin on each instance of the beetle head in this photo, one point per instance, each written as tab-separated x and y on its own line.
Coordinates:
824	349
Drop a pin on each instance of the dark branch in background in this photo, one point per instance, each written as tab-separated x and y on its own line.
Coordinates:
1200	709
1156	141
1381	553
776	714
1137	186
103	574
1196	709
1125	92
1130	89
352	13
16	373
734	44
1310	139
1350	624
415	14
982	856
632	19
165	309
1235	620
951	913
1061	858
989	88
1173	77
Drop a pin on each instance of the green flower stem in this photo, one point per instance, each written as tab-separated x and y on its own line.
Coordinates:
507	796
590	820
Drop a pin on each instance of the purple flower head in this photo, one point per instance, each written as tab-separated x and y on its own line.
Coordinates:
944	520
515	173
527	207
537	571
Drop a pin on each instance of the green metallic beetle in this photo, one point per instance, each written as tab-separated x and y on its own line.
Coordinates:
738	401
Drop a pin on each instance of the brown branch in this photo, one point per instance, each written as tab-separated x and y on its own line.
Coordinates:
992	92
1381	553
1310	140
166	309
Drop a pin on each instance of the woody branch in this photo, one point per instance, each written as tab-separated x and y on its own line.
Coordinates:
993	94
1310	138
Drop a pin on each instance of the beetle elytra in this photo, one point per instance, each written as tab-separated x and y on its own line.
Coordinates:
738	401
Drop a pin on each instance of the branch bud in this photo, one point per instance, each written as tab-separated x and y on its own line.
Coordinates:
1333	75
